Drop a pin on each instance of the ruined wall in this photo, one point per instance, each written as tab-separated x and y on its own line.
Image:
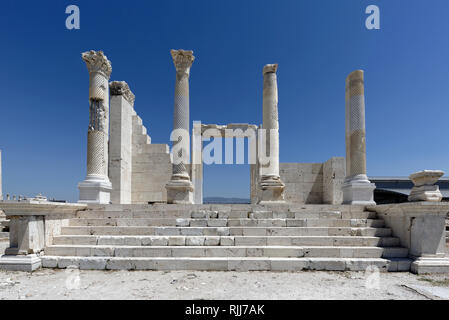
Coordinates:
334	173
303	182
313	183
151	166
120	149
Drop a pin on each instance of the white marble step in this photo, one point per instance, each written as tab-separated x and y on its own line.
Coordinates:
243	214
226	263
228	240
184	222
226	231
227	251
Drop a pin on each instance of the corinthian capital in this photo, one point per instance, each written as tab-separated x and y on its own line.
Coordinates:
121	88
270	68
183	60
96	61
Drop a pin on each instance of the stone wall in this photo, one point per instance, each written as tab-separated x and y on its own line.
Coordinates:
334	173
120	149
151	166
313	183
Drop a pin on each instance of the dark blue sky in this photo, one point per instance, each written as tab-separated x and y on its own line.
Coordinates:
44	87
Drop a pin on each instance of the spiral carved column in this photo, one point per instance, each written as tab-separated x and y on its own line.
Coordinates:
96	187
180	187
357	189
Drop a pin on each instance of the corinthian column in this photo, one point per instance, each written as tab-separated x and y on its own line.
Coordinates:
357	189
180	188
270	184
96	188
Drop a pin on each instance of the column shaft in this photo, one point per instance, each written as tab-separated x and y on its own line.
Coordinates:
180	187
270	185
355	127
357	189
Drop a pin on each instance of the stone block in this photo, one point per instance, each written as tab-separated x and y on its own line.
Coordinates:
176	241
120	264
227	241
92	263
212	241
195	241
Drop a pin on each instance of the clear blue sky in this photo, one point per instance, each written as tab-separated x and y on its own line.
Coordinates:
44	83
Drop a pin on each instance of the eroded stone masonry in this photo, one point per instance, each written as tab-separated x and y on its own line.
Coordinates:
141	204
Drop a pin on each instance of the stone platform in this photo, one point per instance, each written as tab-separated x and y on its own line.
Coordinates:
226	237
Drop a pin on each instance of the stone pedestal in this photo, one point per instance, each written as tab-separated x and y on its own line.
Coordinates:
420	226
357	189
96	188
271	187
424	186
180	187
32	227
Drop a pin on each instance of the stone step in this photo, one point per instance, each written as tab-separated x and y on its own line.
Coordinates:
228	241
243	214
226	251
185	222
227	263
4	235
226	231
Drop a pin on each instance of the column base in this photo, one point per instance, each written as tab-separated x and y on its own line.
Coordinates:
425	193
28	263
95	189
271	190
358	190
179	191
430	265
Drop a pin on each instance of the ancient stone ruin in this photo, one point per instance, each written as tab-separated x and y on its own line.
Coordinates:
141	204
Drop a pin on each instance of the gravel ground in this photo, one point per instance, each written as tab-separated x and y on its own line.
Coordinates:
75	284
82	284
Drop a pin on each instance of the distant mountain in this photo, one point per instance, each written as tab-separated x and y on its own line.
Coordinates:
220	200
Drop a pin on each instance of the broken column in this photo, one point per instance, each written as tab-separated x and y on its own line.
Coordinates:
357	189
96	188
270	185
425	187
180	188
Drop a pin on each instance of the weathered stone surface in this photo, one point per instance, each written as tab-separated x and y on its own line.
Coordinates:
424	186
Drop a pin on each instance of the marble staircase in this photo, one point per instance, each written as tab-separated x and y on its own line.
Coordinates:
226	237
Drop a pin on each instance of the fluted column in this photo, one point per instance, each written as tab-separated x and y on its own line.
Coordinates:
270	184
180	187
96	187
357	189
